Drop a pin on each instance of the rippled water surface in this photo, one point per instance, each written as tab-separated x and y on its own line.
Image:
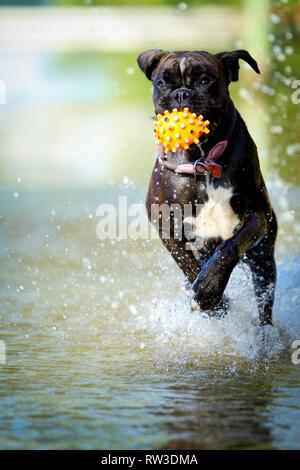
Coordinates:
103	351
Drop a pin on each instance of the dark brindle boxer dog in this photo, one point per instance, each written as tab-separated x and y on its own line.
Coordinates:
236	221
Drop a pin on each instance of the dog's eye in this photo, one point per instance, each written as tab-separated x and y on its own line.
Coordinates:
204	81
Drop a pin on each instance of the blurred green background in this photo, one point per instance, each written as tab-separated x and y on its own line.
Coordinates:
78	110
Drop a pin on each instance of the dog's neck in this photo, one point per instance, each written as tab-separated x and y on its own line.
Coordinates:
222	131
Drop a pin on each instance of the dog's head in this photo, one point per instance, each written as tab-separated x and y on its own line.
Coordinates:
197	80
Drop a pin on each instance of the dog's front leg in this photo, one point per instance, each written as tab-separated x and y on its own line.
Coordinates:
215	273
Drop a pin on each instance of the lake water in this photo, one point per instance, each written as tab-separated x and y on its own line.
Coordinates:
102	350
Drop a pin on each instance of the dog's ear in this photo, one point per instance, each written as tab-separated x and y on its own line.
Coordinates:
230	62
149	60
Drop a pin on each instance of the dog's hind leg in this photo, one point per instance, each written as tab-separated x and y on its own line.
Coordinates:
262	263
263	268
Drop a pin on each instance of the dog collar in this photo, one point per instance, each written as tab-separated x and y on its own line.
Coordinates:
205	166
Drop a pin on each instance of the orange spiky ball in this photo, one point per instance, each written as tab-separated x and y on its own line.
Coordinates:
179	129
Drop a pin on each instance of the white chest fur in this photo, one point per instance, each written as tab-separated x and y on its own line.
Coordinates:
216	217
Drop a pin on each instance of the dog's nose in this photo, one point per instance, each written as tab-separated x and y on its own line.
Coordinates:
181	94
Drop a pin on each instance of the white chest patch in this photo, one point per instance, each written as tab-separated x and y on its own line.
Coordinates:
216	217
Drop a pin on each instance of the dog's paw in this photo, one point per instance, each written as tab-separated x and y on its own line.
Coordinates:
211	281
194	306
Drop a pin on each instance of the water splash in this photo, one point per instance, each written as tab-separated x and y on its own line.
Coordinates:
177	335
